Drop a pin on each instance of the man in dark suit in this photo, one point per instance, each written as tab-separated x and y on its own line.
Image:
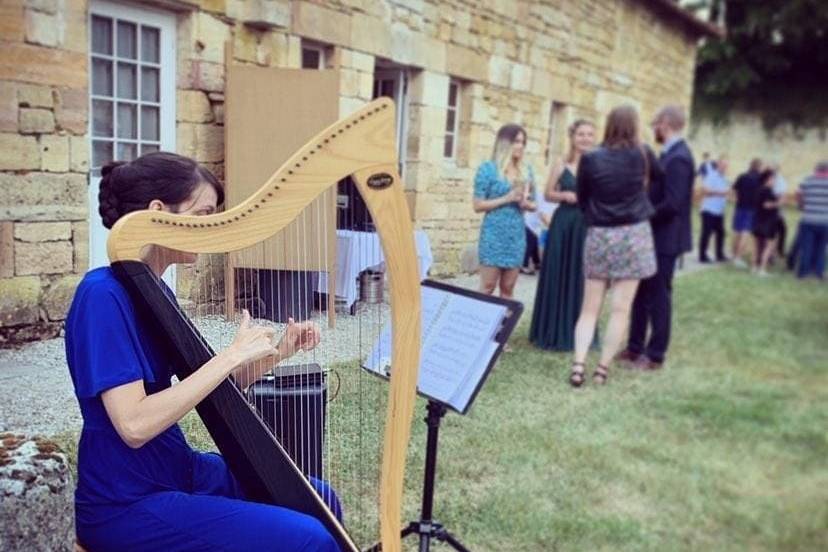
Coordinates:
672	199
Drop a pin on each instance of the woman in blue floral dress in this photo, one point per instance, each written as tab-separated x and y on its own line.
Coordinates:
503	187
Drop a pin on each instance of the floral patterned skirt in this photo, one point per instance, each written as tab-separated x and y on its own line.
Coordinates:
619	252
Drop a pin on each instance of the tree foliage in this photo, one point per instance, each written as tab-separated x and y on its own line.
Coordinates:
773	60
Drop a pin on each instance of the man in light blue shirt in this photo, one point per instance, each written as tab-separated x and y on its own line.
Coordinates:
715	191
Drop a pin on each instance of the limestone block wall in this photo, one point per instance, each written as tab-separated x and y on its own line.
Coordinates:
514	61
743	137
44	160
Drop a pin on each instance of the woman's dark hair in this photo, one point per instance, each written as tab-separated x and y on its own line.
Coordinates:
622	128
131	186
766	175
502	150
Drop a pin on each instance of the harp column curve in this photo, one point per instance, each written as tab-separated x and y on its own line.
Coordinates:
361	145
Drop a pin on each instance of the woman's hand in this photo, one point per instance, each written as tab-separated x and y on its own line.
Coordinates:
299	336
252	342
516	195
569	197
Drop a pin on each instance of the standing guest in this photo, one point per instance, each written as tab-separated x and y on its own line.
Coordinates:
747	186
780	188
140	485
705	166
561	281
813	225
501	191
537	224
672	200
765	223
531	259
715	190
618	251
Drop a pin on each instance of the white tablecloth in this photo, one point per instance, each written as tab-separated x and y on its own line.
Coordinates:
358	251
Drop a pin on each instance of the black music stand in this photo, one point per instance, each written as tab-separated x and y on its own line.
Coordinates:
426	527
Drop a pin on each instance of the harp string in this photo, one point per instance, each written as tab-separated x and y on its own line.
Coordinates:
351	420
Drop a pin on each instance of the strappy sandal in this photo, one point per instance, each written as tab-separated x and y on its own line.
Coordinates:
577	377
600	375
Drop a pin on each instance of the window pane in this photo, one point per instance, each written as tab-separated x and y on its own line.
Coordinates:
126	152
147	148
101	77
448	146
149	84
127	121
311	59
149	123
150	44
101	153
102	118
126	81
451	117
101	35
126	40
452	99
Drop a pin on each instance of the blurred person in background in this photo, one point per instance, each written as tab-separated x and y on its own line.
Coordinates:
715	189
746	187
812	198
765	222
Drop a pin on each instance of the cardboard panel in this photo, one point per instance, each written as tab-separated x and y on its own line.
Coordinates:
269	114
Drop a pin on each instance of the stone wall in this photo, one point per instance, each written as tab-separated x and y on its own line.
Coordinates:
44	160
743	137
512	58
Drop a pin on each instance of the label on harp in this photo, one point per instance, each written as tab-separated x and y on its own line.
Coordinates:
380	181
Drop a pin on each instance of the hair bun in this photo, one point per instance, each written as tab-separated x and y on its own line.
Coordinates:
108	204
107	169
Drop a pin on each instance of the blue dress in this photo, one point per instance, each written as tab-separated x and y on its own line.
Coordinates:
502	235
163	495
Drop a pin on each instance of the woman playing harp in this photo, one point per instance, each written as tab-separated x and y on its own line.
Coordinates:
140	485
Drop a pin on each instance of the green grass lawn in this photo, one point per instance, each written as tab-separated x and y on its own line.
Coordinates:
724	449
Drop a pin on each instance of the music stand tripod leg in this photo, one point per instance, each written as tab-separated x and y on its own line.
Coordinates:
426	527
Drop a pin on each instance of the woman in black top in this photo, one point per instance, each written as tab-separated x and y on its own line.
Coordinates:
619	252
765	222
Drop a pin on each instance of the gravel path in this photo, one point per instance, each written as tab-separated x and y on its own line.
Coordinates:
36	394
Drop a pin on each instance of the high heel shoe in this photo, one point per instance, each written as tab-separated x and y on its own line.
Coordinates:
576	374
600	375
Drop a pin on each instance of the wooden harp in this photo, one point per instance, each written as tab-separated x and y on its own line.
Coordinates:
362	146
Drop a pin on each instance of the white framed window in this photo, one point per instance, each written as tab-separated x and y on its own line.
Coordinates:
132	62
392	82
126	77
313	55
452	120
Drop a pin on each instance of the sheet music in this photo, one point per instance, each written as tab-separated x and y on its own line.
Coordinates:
457	344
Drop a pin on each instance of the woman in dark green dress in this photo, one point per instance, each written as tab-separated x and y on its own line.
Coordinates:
561	280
